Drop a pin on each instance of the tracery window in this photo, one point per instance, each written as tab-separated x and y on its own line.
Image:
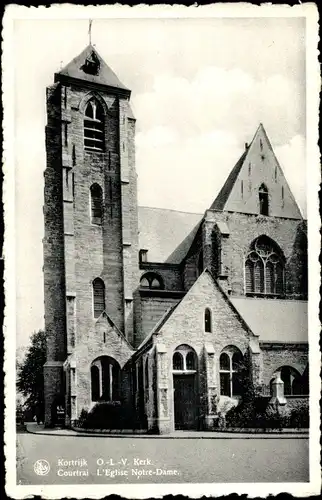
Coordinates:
264	268
94	126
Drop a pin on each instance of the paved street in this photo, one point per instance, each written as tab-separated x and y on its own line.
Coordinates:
104	460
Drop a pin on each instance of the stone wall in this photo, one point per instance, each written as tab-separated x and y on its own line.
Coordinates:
243	229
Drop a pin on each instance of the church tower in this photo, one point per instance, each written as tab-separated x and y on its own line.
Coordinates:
91	234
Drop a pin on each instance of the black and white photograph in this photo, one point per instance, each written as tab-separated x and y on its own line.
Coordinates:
161	176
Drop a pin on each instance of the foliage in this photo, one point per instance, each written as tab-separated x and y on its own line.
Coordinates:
106	415
30	377
262	415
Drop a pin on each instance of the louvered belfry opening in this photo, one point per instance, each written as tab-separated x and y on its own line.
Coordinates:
94	127
264	268
96	204
98	297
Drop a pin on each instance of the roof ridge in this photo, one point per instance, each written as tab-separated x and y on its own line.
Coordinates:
171	210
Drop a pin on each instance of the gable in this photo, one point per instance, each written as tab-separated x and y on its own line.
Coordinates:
186	322
115	344
258	166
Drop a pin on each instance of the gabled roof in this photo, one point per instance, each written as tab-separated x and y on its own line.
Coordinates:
166	234
222	197
274	320
105	76
257	168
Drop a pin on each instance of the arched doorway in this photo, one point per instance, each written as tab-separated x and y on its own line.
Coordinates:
185	390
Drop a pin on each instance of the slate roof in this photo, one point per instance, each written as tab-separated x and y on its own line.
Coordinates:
274	320
167	234
105	75
222	197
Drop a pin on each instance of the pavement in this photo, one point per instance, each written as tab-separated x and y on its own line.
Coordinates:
34	428
152	459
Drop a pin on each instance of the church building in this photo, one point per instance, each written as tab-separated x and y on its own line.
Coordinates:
151	311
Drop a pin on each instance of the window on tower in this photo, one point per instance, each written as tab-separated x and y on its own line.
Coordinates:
96	204
98	297
94	126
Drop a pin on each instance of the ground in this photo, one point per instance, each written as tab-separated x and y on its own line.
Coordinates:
219	460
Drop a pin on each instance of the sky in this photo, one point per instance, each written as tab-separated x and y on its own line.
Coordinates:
200	88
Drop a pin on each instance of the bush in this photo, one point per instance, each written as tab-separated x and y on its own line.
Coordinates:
260	415
300	416
248	414
81	422
106	415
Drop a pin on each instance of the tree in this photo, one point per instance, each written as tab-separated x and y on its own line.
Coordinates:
30	376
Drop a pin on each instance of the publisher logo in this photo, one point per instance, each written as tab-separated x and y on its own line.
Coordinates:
41	467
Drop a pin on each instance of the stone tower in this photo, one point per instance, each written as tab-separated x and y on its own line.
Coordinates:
91	230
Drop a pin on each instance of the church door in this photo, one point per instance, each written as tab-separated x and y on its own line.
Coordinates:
185	403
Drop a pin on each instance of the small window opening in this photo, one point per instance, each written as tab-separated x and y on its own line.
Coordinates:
263	200
207	320
96	204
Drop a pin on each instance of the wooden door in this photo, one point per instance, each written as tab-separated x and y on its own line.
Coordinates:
185	402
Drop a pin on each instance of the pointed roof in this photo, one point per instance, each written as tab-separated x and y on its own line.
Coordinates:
90	69
225	191
257	166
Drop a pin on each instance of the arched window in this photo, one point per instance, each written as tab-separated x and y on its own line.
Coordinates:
263	200
96	204
229	368
207	320
184	359
177	361
144	283
94	126
95	383
152	281
98	297
264	268
105	379
292	381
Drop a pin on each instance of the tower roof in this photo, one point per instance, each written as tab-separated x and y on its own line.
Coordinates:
257	166
90	69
